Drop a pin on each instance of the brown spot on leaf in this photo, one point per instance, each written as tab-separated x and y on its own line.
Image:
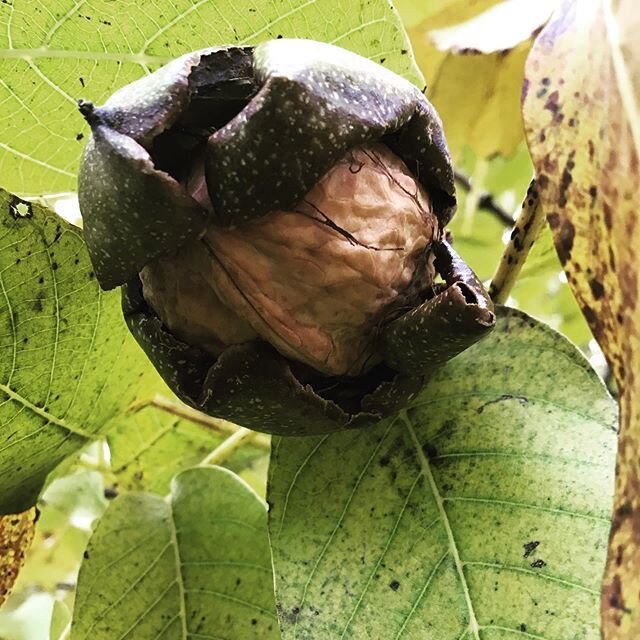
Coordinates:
596	288
564	241
566	180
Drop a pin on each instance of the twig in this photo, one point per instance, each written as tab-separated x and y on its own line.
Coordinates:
226	448
485	200
180	410
527	228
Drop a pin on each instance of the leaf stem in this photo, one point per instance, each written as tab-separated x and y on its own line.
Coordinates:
228	446
525	232
180	410
484	200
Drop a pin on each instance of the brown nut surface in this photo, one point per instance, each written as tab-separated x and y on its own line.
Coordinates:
316	281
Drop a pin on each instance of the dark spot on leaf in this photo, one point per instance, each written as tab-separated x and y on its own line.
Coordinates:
530	547
110	493
608	215
564	241
523	627
429	451
566	180
505	396
553	106
615	595
37	303
542	181
79	136
538	564
394	585
86	555
596	288
592	319
384	461
81	79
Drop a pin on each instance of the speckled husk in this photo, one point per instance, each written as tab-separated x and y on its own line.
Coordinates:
287	111
307	103
252	384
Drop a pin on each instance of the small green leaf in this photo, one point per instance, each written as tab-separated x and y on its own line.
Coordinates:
481	513
50	58
194	565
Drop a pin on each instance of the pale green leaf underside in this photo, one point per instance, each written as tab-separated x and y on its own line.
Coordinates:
52	53
195	565
417	529
68	365
150	447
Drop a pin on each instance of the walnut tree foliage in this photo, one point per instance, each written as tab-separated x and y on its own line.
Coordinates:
482	510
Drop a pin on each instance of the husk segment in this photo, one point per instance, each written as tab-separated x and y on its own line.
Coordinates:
283	114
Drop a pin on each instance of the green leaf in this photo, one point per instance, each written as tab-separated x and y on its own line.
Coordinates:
60	621
68	365
482	512
196	564
151	447
49	57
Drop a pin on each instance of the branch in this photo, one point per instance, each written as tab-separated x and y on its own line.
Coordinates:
485	200
180	410
527	228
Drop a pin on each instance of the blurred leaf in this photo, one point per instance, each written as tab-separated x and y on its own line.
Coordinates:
29	620
421	18
16	535
197	565
477	234
483	513
473	55
60	621
478	99
148	450
50	57
69	506
582	116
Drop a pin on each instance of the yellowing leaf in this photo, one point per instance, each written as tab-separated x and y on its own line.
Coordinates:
582	119
474	77
478	99
16	535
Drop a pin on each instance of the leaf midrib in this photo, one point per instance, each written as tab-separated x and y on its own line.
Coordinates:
50	418
453	549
